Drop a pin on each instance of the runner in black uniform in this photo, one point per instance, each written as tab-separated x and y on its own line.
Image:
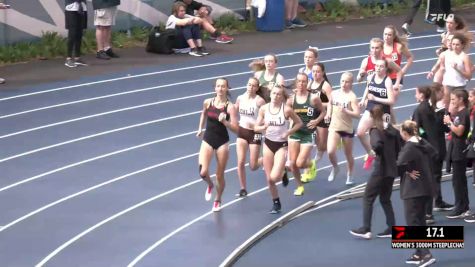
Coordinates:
219	114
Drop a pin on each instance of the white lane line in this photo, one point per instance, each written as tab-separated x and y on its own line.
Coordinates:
176	231
113	180
174	84
188	68
26	153
77	237
164	101
92	159
104	155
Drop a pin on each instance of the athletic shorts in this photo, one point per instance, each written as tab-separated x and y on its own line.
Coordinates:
386	114
105	16
302	137
275	146
250	136
345	134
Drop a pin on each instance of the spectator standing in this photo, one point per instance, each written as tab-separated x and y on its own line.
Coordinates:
291	20
75	21
105	12
204	19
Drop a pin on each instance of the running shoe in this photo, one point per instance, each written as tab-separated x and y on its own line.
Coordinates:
111	53
298	23
430	219
289	25
368	162
202	50
216	206
333	173
70	63
224	39
102	55
456	215
285	179
386	233
242	193
194	52
349	180
276	207
299	191
414	259
426	261
310	173
470	219
406	30
443	207
361	233
79	62
208	193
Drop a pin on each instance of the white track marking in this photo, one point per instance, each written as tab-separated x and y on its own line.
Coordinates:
164	101
90	229
175	84
188	68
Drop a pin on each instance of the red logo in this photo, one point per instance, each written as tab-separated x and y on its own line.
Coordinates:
401	231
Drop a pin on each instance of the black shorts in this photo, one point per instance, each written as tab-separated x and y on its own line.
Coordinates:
250	136
215	140
275	146
345	134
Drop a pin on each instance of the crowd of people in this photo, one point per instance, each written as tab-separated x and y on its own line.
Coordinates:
287	122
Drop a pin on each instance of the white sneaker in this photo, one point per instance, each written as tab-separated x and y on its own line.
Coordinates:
333	173
216	206
405	28
349	180
440	29
208	193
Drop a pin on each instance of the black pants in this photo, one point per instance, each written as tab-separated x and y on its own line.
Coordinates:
75	23
437	172
414	211
383	187
185	33
445	8
416	4
459	183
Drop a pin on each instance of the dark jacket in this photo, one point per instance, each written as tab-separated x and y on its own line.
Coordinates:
386	144
190	9
419	157
457	146
432	124
100	4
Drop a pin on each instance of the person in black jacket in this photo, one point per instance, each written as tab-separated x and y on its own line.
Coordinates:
429	119
416	183
75	21
385	142
459	123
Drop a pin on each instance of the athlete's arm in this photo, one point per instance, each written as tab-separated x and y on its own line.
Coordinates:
297	122
201	125
260	127
232	124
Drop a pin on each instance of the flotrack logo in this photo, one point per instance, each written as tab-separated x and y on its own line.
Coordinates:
437	17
